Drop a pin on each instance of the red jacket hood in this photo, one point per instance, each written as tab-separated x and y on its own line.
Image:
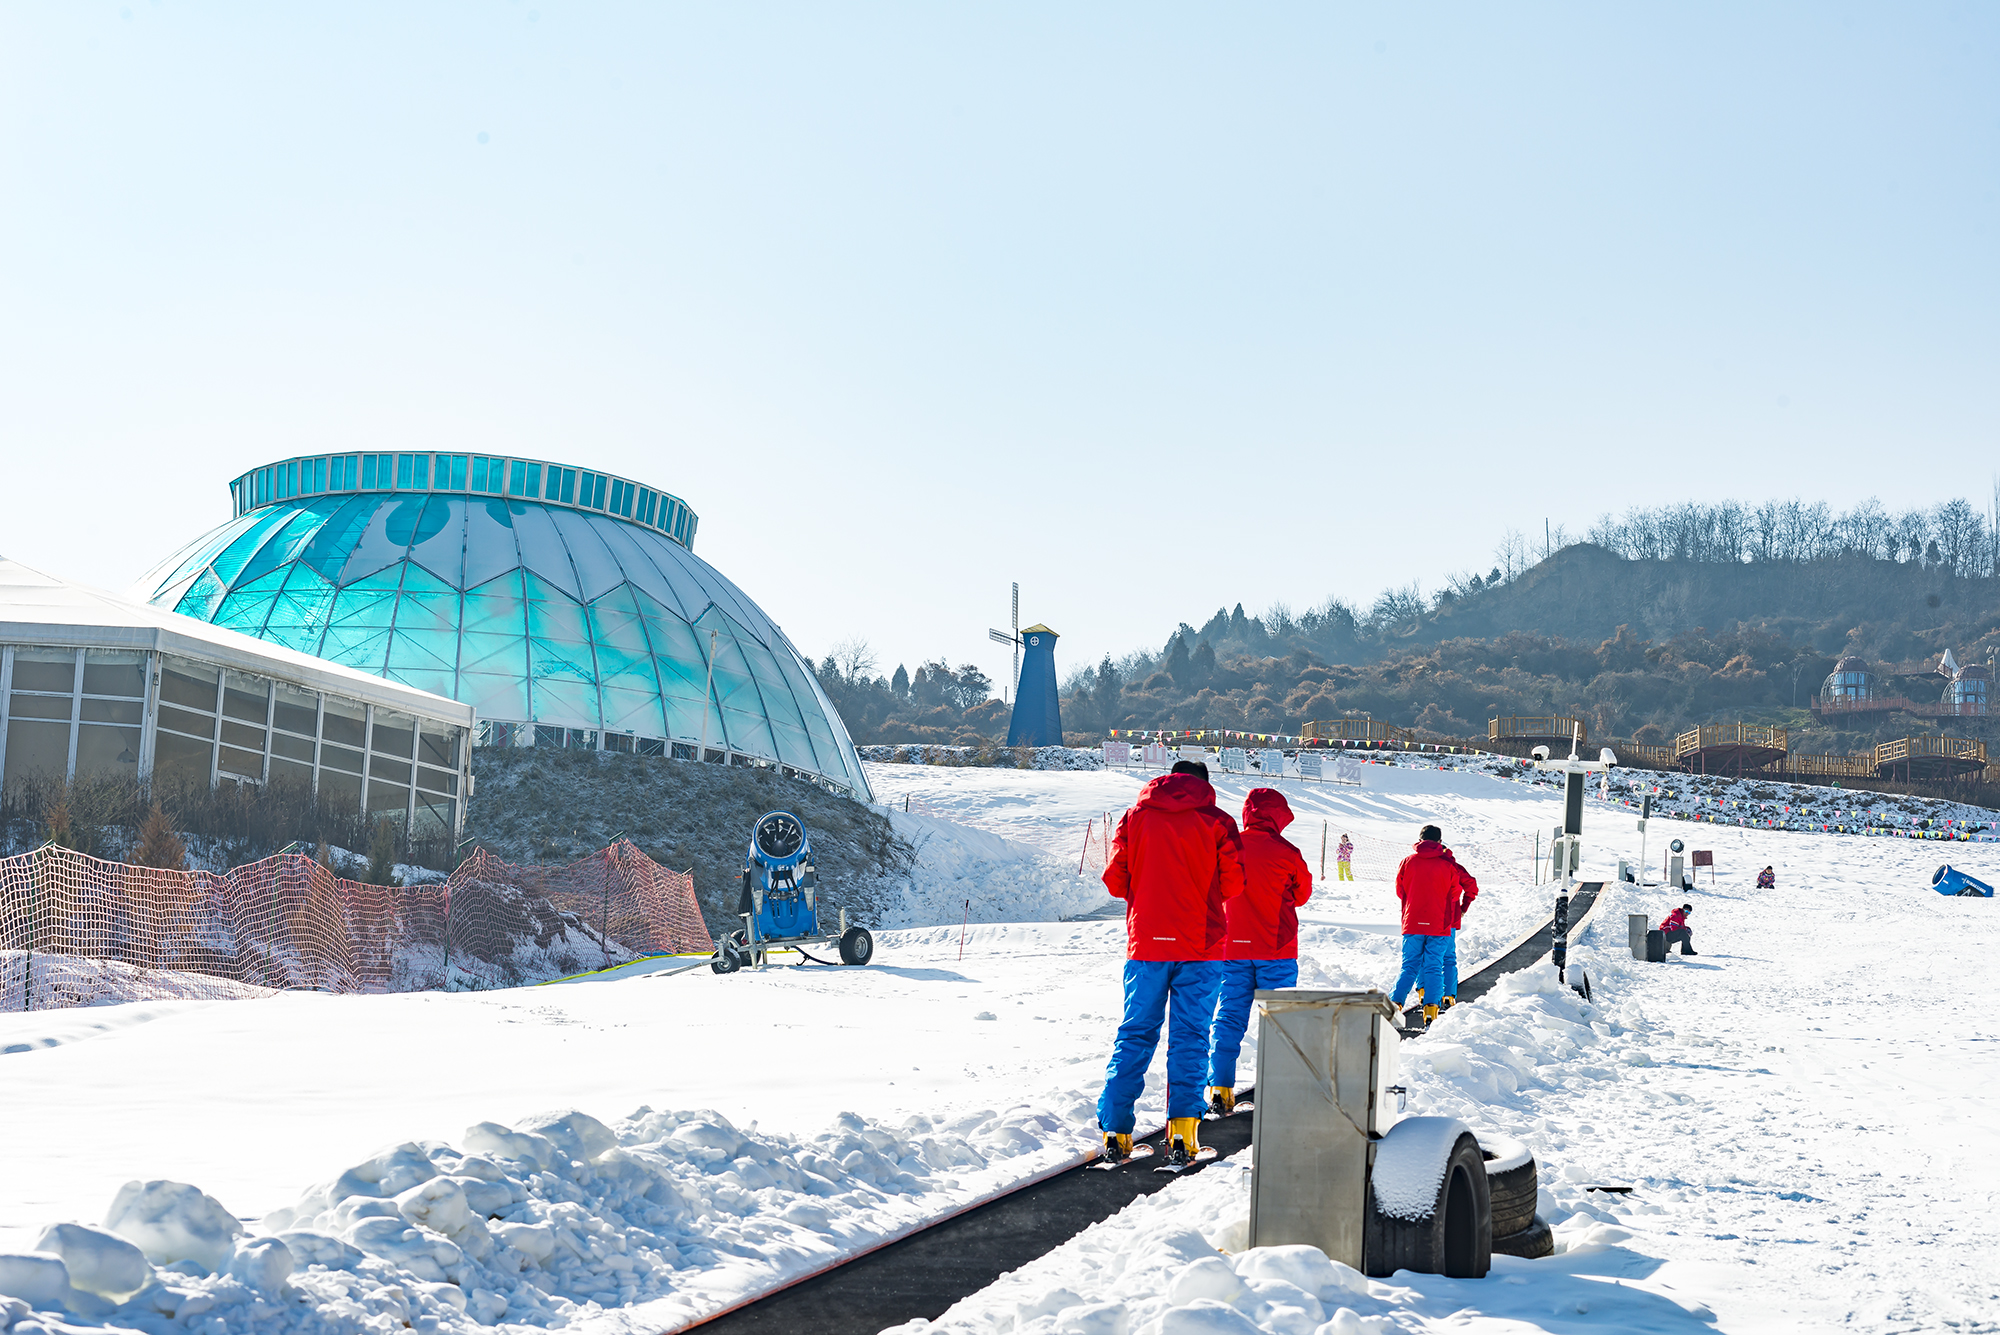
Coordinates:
1431	848
1177	792
1266	809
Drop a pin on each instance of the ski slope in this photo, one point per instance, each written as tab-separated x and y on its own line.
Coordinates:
1800	1108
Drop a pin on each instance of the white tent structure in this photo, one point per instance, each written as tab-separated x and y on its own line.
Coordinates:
95	685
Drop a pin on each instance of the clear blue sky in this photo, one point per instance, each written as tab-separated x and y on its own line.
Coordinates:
1152	308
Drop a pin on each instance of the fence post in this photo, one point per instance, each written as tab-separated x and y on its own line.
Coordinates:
1322	851
604	911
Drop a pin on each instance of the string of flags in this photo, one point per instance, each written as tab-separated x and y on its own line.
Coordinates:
1219	735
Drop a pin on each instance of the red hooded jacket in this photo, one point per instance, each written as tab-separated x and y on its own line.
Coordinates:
1264	920
1674	921
1175	859
1434	889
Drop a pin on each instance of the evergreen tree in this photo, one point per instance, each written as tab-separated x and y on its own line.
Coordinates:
382	854
159	846
1203	664
899	685
1177	664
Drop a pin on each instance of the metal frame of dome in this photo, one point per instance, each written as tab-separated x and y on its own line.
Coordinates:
561	620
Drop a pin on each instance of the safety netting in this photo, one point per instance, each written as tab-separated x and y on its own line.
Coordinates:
77	930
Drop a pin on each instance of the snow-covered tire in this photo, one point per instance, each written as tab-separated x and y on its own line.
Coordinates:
856	946
1511	1181
1531	1243
1455	1239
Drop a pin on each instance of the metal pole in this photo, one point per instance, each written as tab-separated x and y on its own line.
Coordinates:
702	755
1559	950
1322	852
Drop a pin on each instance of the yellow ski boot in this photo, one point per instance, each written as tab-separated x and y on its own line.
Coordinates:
1446	1003
1221	1100
1117	1146
1430	1016
1183	1141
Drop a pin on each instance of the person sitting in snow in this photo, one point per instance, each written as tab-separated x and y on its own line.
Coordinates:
1263	934
1176	861
1675	928
1431	884
1767	879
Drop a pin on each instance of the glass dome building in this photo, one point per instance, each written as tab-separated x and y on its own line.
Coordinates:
1967	693
566	606
1850	682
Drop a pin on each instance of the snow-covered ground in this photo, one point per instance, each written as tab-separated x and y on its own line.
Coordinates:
1801	1108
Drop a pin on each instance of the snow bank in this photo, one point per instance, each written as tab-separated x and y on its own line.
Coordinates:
544	1224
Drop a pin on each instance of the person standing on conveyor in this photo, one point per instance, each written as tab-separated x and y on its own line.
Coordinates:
1176	861
1430	884
1263	925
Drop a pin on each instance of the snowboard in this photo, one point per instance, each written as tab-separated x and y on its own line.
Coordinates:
1201	1156
1140	1150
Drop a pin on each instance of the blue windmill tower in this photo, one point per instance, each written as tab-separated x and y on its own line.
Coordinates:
1037	717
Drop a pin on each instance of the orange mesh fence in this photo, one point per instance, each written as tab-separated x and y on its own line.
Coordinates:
77	930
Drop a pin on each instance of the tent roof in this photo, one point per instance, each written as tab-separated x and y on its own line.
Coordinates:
38	608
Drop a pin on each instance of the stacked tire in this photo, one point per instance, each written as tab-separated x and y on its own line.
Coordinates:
1513	1185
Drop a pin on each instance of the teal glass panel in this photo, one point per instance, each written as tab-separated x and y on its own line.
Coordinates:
402	472
285	543
202	596
367	472
491	547
781	711
437	541
229	564
542	549
334	540
423	476
736	690
498	695
635	553
597	572
300	613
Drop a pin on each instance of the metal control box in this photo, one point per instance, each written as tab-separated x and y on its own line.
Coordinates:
1326	1088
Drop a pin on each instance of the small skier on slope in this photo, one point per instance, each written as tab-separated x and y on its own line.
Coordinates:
1767	879
1431	885
1263	923
1343	856
1176	860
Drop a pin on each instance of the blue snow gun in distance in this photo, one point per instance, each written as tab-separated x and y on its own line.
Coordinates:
1949	880
780	902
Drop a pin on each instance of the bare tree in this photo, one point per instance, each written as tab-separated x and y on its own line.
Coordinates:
853	659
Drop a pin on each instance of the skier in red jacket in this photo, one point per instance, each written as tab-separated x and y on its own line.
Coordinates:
1433	888
1176	860
1263	946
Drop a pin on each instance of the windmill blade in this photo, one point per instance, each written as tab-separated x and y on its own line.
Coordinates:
1001	636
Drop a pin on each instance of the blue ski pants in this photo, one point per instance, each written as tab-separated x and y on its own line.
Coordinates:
1449	969
1182	994
1240	980
1423	966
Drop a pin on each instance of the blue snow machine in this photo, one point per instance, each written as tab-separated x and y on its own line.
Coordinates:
1949	880
780	903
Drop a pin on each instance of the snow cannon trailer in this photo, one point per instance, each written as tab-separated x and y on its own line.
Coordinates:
780	903
1949	880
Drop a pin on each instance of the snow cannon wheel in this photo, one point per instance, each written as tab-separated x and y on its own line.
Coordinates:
730	955
856	946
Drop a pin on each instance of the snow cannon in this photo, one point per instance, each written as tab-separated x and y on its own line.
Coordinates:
1949	880
780	902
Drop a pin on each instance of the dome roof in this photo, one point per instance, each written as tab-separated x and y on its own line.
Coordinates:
531	611
1972	672
1851	663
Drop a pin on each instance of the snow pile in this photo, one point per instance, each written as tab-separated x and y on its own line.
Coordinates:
1001	880
540	1225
